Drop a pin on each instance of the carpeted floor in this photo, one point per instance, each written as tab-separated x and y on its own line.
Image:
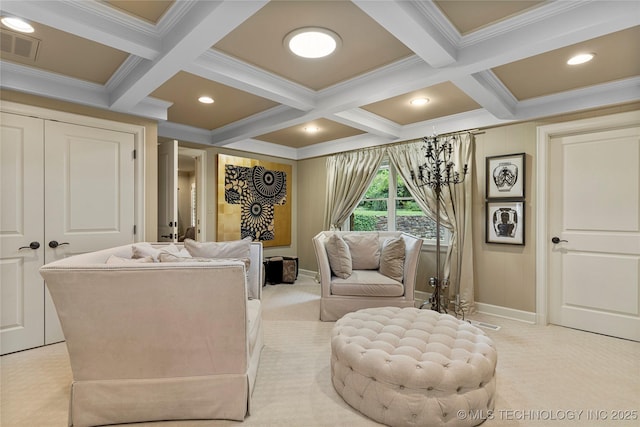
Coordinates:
546	375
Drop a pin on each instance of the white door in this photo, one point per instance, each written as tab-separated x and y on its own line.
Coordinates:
594	216
168	191
21	232
89	196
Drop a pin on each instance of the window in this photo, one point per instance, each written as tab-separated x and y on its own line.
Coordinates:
388	205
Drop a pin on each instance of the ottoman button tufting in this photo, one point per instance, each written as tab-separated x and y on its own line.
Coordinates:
435	346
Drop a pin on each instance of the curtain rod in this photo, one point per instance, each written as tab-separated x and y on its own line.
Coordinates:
407	141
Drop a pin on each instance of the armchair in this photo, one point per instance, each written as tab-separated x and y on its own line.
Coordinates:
365	269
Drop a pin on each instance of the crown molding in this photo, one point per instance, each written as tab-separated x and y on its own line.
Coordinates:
94	21
184	133
532	17
618	92
255	146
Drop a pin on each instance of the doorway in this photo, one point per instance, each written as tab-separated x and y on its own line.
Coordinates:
589	225
181	192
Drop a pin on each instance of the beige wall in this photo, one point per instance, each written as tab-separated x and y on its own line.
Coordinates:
504	274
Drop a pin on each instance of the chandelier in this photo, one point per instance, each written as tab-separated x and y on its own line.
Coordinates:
436	172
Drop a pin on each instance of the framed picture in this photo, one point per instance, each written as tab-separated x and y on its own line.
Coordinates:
505	176
505	222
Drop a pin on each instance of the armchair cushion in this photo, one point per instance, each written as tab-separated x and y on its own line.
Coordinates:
392	258
339	256
367	283
365	250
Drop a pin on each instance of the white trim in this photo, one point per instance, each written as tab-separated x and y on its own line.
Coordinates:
309	274
545	134
201	180
137	131
506	312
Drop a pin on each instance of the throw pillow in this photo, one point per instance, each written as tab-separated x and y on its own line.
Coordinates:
145	249
232	249
339	256
113	259
392	258
365	250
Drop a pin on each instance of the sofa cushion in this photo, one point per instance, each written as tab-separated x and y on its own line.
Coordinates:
145	249
339	256
365	250
114	259
392	258
367	283
232	249
167	257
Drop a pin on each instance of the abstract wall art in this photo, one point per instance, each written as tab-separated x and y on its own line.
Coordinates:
254	200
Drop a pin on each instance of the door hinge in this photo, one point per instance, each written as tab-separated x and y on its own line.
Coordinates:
135	154
135	229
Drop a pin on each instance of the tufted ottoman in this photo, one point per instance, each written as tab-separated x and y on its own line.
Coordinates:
412	367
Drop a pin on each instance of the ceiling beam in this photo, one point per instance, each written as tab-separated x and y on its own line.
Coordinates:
368	122
222	68
412	24
200	28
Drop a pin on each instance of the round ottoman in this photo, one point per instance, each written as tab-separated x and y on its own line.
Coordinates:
412	367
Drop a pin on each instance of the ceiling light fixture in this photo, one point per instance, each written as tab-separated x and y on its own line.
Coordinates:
206	100
581	58
17	24
311	129
312	42
419	101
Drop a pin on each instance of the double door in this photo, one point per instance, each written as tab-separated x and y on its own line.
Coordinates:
66	189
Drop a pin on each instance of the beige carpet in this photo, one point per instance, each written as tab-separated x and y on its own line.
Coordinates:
547	376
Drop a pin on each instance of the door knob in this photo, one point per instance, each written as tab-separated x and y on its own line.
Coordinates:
557	240
32	245
53	244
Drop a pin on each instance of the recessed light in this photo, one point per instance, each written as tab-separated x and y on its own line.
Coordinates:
206	100
581	58
311	129
17	24
419	101
312	42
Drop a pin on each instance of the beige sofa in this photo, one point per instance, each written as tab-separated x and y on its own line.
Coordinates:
369	283
158	340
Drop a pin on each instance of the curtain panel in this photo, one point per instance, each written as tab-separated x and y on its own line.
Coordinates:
348	177
455	210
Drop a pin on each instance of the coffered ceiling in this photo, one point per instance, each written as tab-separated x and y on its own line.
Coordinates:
480	63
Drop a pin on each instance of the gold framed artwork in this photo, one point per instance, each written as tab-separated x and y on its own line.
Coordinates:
254	199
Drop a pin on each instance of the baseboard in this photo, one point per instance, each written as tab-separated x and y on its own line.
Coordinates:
505	312
307	273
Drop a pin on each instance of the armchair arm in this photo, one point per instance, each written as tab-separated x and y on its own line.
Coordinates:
413	247
322	259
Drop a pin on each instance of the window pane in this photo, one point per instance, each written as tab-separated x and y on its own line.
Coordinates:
370	215
401	189
410	219
379	188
